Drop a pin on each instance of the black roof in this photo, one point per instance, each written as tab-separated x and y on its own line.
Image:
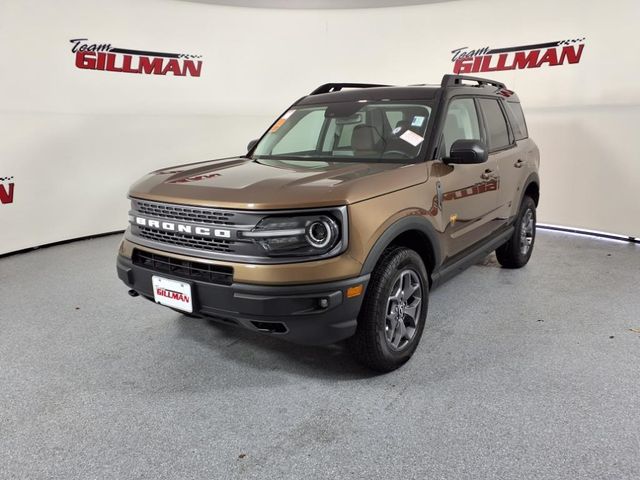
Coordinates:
351	92
373	93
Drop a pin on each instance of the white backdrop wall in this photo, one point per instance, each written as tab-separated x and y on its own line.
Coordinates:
73	140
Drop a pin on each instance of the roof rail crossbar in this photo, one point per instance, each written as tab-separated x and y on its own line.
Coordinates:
336	87
450	80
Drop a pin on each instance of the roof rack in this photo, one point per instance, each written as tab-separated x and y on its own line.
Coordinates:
336	87
451	80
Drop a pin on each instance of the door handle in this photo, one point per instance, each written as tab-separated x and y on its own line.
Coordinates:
519	163
488	173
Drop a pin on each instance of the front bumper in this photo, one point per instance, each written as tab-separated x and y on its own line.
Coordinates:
293	312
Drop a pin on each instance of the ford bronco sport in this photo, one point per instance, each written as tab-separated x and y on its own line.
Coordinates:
354	204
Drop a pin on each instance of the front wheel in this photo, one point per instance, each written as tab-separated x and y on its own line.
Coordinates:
517	251
393	313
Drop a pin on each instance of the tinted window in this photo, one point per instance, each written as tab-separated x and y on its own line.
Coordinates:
461	123
496	124
371	130
346	131
393	117
516	117
302	137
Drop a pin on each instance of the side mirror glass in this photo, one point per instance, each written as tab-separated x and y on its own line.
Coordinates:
251	144
467	152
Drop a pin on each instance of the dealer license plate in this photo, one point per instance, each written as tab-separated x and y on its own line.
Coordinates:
172	293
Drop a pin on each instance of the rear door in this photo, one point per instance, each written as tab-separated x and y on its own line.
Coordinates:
527	152
468	192
504	152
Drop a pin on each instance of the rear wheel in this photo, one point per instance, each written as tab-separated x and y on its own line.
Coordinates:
517	251
393	313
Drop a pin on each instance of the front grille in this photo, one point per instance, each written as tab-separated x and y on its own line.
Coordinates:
177	228
185	213
189	241
205	272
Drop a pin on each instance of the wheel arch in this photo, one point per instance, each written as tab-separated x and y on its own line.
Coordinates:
531	188
411	232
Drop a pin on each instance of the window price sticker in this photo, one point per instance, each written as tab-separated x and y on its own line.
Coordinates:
412	138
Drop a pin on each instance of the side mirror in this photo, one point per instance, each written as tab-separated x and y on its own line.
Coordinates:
251	144
467	152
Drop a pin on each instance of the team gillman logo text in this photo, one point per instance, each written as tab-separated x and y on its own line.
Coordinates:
181	297
7	187
105	57
488	59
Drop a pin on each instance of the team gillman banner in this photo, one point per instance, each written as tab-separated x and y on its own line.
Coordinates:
105	57
7	186
488	59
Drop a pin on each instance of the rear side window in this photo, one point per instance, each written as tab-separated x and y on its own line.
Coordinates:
497	130
516	117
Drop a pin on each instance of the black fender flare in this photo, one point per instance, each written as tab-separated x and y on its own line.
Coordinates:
532	178
397	228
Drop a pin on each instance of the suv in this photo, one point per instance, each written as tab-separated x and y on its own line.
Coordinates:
336	224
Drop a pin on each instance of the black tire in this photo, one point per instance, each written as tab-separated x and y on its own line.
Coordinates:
512	254
370	345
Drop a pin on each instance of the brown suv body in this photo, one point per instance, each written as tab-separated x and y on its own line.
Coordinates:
451	204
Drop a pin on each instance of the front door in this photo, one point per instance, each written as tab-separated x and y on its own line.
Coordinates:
468	193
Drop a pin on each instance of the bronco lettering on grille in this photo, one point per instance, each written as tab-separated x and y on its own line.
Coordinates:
183	228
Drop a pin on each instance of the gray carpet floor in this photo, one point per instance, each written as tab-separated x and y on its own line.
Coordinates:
531	374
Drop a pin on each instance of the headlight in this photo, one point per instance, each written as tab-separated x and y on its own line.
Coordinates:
320	233
307	235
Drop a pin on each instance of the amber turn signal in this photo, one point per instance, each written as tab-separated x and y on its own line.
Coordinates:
355	291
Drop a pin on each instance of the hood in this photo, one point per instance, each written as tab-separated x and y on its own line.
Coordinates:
244	183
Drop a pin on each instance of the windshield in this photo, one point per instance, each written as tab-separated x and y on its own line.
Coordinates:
349	131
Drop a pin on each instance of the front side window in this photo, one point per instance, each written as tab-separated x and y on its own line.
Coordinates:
497	129
461	123
363	130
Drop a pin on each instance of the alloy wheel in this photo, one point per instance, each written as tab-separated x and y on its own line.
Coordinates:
527	228
403	310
